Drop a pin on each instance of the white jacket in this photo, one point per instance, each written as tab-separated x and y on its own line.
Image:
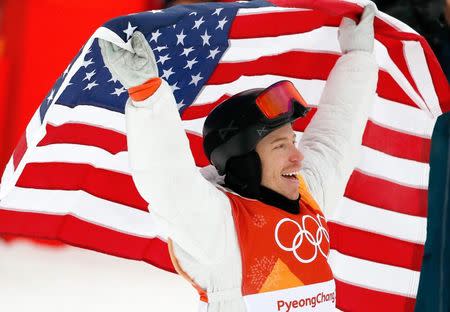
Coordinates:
198	215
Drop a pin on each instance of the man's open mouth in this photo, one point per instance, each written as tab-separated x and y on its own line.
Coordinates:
291	175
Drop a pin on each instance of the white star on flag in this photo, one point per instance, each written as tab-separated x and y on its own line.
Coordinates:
213	53
87	63
217	11
175	87
155	36
159	49
50	97
198	23
162	59
130	30
180	37
222	23
91	85
167	73
205	37
195	79
180	105
190	63
119	91
187	51
89	75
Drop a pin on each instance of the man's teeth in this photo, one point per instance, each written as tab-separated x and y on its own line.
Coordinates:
291	174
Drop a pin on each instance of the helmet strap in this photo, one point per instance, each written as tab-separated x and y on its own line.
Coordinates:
243	174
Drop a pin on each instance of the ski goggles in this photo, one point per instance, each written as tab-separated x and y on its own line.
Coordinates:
280	100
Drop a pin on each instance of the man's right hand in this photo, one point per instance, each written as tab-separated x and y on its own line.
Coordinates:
359	37
132	69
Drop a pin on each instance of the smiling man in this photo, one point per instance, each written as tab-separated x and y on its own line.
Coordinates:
257	240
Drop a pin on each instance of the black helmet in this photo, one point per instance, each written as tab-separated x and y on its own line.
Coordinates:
235	126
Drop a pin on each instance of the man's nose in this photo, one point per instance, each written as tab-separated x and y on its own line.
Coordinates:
296	156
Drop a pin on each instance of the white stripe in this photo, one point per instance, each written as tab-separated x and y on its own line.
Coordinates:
6	185
397	24
86	207
392	115
380	221
372	275
403	118
241	50
417	64
34	131
88	115
403	171
323	39
385	62
263	10
81	154
309	88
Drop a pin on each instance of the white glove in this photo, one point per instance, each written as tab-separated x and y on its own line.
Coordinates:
132	69
359	37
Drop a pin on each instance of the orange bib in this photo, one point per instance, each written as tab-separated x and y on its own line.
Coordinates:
284	256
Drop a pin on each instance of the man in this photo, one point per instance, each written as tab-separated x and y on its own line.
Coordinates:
260	241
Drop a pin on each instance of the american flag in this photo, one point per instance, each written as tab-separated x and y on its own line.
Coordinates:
69	178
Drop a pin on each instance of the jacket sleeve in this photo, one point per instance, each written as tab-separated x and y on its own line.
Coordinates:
196	214
332	141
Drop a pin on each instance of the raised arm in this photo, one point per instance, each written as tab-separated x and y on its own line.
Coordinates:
332	140
195	212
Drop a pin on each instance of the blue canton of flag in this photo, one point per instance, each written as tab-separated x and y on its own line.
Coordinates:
188	42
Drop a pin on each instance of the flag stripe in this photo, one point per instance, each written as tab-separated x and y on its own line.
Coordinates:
254	25
372	275
387	195
360	244
301	64
77	232
358	298
105	184
84	206
82	154
396	143
380	221
74	133
418	68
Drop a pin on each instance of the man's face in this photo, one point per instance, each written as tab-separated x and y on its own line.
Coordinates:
281	161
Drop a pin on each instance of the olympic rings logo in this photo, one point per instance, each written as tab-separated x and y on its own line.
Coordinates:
304	236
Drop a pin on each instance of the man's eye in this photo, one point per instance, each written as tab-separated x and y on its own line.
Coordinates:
279	146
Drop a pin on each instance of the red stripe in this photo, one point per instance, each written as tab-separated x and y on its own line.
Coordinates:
200	111
75	133
397	143
109	185
302	65
360	244
294	64
20	150
76	232
249	26
196	144
109	140
389	89
355	298
382	139
395	51
387	195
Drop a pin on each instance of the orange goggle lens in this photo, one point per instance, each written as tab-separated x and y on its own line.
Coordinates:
278	99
